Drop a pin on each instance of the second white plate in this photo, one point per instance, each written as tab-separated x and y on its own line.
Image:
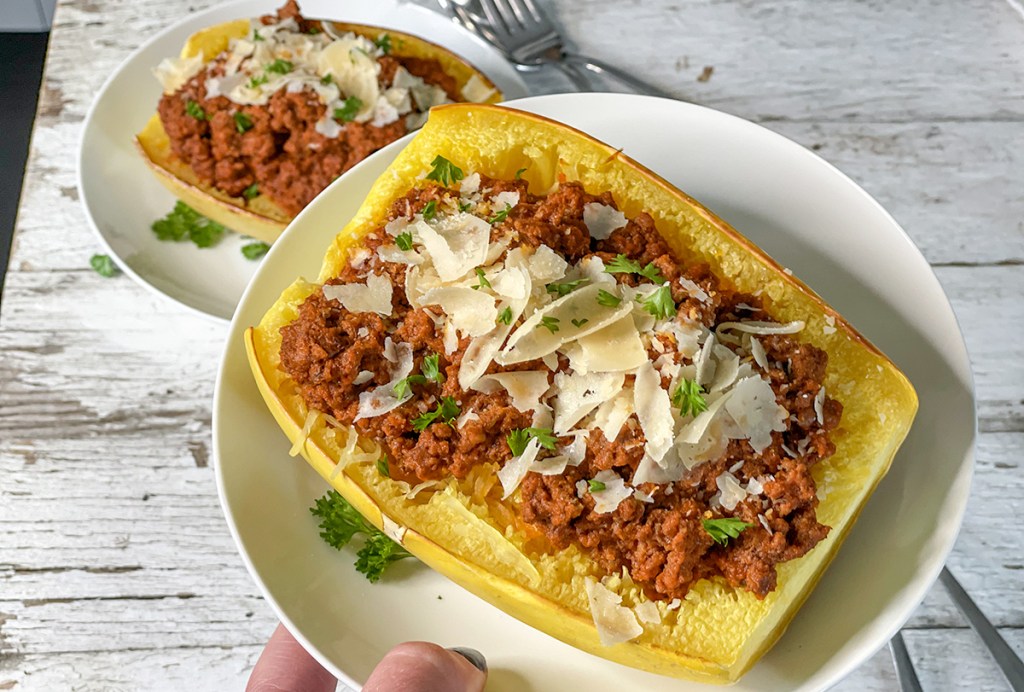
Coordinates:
122	198
796	206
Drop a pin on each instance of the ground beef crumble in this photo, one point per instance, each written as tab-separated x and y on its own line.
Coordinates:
663	543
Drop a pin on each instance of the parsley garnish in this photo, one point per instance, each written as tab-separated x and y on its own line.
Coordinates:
519	173
609	300
103	265
505	316
550	323
404	241
195	110
501	215
430	211
185	223
623	265
465	206
279	66
564	288
430	371
689	398
340	523
448	410
384	43
579	323
255	250
482	281
256	35
595	486
257	81
251	192
721	530
404	386
660	303
348	111
519	438
383	468
444	171
243	123
327	79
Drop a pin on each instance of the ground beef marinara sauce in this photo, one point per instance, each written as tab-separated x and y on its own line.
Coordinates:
253	122
658	531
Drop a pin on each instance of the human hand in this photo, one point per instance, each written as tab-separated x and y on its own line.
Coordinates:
284	666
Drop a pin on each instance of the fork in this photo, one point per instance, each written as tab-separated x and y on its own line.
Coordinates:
530	39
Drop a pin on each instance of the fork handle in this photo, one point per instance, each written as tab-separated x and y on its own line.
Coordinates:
1006	658
602	68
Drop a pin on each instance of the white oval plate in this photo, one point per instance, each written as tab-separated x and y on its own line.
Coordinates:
796	206
121	196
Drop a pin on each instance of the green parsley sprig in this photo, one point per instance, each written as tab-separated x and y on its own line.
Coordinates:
519	438
103	265
430	371
280	66
481	280
447	411
444	171
564	288
550	323
340	523
255	250
195	110
185	223
660	303
501	215
595	486
243	123
349	110
404	241
624	265
607	299
505	316
384	43
721	530
689	398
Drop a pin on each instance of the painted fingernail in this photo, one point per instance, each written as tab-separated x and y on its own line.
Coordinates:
473	656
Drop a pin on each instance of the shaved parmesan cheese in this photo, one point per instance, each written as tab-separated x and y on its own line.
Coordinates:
515	469
456	243
686	336
614	348
382	399
525	388
533	340
614	492
363	377
642	496
754	486
512	282
392	529
373	296
704	363
396	227
174	72
726	370
755	327
673	605
758	352
467	415
753	407
507	199
764	522
580	394
819	405
602	219
648	612
576	451
830	325
450	337
393	253
470	184
612	414
592	269
546	265
650	471
550	361
615	623
694	289
354	72
472	312
731	493
476	90
653	410
695	429
552	466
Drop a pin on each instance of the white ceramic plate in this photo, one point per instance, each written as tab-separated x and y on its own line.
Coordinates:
121	196
806	214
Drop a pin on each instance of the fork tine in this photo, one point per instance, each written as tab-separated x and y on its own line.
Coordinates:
519	10
493	18
534	11
502	8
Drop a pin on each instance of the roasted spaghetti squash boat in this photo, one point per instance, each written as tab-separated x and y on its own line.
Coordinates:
258	116
601	408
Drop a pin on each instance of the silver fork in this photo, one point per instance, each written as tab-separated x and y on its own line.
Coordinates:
530	39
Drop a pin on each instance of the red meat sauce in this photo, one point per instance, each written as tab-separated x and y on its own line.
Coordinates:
282	153
663	543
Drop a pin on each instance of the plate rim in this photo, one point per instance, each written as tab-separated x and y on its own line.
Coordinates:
960	482
232	7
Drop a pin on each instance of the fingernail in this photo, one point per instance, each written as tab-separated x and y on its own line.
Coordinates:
473	656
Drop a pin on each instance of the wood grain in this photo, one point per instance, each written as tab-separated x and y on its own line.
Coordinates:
116	568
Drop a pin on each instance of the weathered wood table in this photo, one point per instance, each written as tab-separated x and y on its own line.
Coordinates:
116	567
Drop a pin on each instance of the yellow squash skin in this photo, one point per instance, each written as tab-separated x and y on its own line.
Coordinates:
260	217
718	632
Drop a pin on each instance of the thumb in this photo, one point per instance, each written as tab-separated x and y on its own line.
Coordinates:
284	666
425	667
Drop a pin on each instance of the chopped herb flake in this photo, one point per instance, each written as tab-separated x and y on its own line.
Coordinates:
327	79
280	66
660	303
579	322
347	113
501	215
384	43
185	223
550	323
595	486
430	211
255	250
564	288
383	468
689	398
482	281
258	81
251	192
444	171
505	316
447	411
103	265
404	241
609	300
623	265
518	439
519	173
721	530
243	123
195	110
